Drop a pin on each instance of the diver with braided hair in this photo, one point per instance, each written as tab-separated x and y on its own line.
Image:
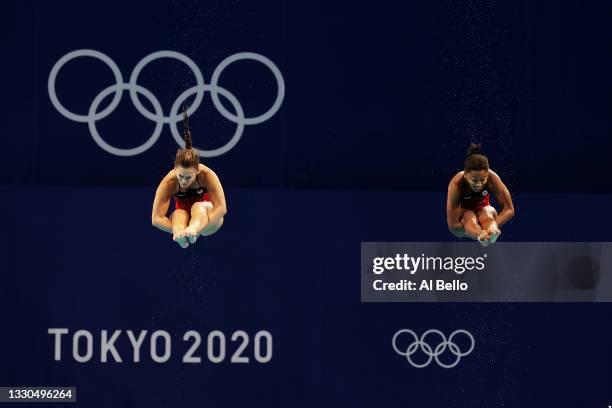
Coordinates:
199	201
469	212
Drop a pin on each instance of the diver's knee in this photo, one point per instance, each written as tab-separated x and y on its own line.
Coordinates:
468	215
179	212
489	211
487	215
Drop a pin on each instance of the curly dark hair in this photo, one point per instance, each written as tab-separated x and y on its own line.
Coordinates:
475	160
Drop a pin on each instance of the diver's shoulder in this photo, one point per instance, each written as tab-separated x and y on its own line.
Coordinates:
170	178
170	175
455	181
493	175
205	170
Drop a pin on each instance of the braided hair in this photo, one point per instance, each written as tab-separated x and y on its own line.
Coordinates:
187	156
475	160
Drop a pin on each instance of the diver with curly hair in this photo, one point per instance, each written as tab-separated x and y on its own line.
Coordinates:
469	212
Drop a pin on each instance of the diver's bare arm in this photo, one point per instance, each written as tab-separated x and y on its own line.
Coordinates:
453	207
504	216
217	196
503	197
160	208
164	224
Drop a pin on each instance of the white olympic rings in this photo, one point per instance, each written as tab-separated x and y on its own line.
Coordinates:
93	115
435	352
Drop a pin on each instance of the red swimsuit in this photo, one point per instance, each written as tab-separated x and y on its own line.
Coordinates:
473	200
185	199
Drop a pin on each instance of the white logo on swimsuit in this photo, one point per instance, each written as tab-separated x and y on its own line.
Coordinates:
484	192
433	352
158	116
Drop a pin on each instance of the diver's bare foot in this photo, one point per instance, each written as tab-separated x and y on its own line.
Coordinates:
494	233
484	238
191	234
181	239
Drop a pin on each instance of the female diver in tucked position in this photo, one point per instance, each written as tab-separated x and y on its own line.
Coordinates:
468	211
199	202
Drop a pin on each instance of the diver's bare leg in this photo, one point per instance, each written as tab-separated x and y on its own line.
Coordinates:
198	222
486	217
472	227
180	220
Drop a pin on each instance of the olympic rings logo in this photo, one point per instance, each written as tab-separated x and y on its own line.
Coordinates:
433	353
238	117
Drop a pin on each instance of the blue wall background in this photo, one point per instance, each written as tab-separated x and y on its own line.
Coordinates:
380	95
382	100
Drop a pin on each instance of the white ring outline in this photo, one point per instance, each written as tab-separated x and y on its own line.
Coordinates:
115	150
167	54
437	351
159	118
76	54
280	83
239	125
